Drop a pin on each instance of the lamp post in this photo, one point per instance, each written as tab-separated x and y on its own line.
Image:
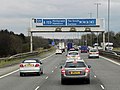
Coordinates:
97	4
108	21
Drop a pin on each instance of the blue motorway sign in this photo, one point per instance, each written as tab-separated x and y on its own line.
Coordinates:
54	22
81	22
66	22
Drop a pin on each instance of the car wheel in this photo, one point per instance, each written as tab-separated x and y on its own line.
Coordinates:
39	73
62	81
42	72
88	81
21	74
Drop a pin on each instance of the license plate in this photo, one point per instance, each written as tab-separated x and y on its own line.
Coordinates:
75	72
30	65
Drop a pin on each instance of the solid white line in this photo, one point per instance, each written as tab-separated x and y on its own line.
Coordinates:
46	77
37	87
9	74
111	61
18	69
102	87
48	56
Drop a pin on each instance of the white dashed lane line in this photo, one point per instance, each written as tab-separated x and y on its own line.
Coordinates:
46	77
102	87
37	87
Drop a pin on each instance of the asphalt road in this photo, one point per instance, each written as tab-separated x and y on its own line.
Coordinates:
105	75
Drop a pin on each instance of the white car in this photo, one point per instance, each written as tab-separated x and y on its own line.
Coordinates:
73	55
30	66
58	51
93	53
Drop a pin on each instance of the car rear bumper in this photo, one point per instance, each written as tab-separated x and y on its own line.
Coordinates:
76	77
29	71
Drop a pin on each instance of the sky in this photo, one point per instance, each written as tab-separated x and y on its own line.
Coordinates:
15	15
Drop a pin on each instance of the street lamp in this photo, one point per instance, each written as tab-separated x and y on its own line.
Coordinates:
97	4
108	21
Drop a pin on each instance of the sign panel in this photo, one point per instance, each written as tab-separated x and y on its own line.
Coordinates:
65	22
81	22
54	22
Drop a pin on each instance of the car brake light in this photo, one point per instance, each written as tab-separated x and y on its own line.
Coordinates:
37	65
87	70
62	71
21	65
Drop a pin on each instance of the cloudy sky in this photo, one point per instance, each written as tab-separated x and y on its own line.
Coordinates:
16	14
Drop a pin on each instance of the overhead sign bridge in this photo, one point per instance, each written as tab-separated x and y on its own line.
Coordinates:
66	25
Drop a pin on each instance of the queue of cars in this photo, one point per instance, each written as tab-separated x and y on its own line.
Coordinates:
75	68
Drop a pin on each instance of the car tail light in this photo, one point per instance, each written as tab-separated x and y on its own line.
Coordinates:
90	53
37	65
97	53
62	71
21	65
87	70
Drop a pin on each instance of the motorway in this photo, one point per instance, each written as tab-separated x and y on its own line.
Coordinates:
105	75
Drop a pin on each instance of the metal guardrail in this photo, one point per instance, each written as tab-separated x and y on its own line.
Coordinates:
110	54
23	55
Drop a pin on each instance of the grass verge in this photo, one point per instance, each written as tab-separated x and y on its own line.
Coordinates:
10	62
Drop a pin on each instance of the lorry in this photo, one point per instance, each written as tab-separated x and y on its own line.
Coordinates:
108	45
61	46
69	46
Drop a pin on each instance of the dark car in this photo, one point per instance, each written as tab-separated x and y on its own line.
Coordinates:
84	49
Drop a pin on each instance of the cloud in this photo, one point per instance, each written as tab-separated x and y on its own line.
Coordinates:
16	14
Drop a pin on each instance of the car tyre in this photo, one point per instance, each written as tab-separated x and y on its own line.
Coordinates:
62	81
39	73
88	81
21	74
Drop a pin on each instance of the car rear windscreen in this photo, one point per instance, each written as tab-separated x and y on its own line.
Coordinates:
74	65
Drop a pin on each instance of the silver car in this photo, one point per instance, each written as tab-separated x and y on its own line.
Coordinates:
73	54
29	66
75	69
93	53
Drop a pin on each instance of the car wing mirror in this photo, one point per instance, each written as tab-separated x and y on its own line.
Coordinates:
89	66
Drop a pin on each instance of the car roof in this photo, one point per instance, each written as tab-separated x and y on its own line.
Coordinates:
73	51
71	60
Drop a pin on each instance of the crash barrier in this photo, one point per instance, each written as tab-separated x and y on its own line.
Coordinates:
23	55
110	54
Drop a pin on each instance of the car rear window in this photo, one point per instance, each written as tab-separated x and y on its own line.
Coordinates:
30	61
93	50
73	53
74	65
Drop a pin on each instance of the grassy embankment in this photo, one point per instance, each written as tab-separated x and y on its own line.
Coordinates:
116	49
43	53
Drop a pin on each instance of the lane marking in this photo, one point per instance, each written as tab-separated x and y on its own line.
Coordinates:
52	71
111	60
37	87
9	73
48	56
18	69
56	67
95	76
102	87
46	77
